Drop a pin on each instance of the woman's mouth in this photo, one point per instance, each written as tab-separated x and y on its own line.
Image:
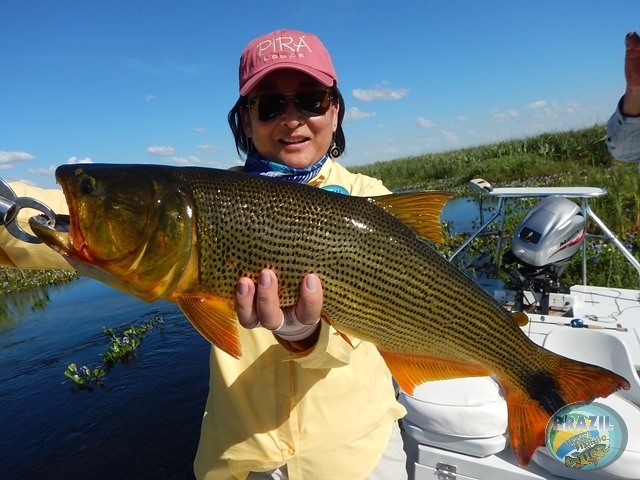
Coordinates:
294	142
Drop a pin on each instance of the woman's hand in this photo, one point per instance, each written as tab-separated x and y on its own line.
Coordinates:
259	306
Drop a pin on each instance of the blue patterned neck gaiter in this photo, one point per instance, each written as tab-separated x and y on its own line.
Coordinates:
256	164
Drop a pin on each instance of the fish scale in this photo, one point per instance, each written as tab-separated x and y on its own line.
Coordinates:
189	234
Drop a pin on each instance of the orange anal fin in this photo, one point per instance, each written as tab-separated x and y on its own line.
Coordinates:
419	210
565	382
215	319
410	371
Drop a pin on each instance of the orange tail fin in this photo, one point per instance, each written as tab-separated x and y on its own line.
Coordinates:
566	381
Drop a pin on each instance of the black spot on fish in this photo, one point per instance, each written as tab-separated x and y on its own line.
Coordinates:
544	389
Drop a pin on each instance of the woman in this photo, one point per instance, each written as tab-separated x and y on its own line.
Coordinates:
301	403
331	413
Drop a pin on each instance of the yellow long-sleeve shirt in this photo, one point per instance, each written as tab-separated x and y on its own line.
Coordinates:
327	415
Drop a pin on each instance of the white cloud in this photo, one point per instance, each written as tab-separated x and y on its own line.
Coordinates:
10	157
207	148
379	94
150	98
200	129
46	171
425	122
537	104
450	137
503	116
161	151
354	114
462	118
189	160
75	160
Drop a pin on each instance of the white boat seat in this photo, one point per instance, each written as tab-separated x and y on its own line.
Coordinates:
597	347
465	415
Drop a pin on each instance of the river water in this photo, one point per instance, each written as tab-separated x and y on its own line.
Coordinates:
145	423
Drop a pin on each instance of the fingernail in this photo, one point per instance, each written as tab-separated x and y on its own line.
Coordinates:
242	287
265	279
311	282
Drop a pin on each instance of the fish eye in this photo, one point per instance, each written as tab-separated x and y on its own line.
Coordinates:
87	185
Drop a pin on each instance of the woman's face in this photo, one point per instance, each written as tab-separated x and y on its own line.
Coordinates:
292	139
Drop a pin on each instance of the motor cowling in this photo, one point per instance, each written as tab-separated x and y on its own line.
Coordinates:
542	246
550	233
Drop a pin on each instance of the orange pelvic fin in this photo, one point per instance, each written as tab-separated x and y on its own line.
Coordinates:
215	319
418	210
566	381
410	371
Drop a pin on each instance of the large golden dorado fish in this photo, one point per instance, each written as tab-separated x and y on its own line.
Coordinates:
189	234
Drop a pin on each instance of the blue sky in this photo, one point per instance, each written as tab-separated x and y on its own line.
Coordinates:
152	81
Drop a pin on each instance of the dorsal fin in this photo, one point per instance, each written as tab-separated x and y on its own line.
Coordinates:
418	210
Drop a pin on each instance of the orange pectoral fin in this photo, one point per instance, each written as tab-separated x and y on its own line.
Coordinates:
215	319
342	335
410	371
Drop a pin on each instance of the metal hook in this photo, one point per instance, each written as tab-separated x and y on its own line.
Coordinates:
10	205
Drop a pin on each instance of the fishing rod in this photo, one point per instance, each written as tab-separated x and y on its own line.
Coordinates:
579	323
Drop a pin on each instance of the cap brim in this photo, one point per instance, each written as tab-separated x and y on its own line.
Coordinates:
323	78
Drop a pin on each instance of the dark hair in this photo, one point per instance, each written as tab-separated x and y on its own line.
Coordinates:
235	122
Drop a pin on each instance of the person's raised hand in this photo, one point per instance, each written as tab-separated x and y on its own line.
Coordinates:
631	102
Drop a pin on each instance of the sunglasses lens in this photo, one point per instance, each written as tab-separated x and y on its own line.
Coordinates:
313	103
269	107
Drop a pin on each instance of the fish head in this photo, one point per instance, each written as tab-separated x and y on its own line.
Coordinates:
129	227
600	450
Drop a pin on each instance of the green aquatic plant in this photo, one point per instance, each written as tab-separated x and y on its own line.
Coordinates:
84	377
122	348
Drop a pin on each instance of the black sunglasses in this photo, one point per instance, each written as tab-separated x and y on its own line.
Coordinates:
311	103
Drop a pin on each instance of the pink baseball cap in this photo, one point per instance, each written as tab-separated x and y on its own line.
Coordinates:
285	49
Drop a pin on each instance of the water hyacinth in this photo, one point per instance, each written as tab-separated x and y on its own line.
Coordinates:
84	378
122	349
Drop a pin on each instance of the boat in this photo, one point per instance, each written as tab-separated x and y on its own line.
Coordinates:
456	429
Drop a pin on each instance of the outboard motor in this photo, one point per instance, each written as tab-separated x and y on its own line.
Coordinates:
544	242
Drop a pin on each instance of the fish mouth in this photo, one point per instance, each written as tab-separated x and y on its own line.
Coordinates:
53	234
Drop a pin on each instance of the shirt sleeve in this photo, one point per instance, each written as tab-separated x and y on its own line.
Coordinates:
623	136
16	253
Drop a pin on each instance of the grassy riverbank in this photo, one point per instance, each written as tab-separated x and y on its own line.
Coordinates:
577	158
572	158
